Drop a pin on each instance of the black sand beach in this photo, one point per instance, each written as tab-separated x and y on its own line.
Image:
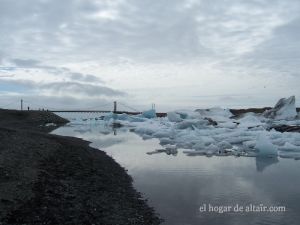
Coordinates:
48	179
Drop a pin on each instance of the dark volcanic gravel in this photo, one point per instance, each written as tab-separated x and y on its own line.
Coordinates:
48	179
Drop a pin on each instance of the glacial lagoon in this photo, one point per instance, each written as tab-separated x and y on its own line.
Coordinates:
179	186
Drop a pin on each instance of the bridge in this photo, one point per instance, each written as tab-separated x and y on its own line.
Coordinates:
159	114
93	111
133	111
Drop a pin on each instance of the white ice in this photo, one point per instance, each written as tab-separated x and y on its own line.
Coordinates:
284	109
216	132
264	146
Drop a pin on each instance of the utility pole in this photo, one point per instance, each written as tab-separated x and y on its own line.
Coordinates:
115	106
21	104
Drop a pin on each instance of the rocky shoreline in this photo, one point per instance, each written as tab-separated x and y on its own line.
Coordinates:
49	179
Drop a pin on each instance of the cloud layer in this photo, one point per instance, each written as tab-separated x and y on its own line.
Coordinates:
172	52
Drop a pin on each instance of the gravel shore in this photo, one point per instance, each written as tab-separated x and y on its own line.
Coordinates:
49	179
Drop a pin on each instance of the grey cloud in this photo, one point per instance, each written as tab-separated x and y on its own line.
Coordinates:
26	62
143	30
33	64
20	82
79	88
61	71
85	78
92	78
235	36
66	88
7	68
281	53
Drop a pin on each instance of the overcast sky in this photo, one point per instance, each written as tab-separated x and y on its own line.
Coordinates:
174	53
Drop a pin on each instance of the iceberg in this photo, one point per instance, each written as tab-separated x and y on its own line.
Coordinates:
215	132
264	146
192	123
212	148
224	145
284	109
123	116
174	117
149	114
290	147
110	116
217	114
249	120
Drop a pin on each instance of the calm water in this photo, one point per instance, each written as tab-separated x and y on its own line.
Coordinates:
178	185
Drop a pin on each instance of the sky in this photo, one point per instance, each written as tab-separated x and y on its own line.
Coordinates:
177	54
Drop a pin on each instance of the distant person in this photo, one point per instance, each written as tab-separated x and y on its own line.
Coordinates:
28	108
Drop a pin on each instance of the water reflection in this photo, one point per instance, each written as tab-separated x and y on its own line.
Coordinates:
263	162
177	184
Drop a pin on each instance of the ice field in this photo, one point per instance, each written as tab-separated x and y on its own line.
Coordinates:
216	131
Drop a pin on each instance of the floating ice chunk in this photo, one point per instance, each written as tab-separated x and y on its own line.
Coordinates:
144	130
161	134
264	146
170	147
212	148
193	130
149	114
202	142
224	145
215	111
207	140
239	139
228	124
123	116
199	146
184	114
136	119
188	114
109	116
295	155
83	130
249	120
174	117
249	144
289	147
218	114
284	109
191	123
50	125
169	151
